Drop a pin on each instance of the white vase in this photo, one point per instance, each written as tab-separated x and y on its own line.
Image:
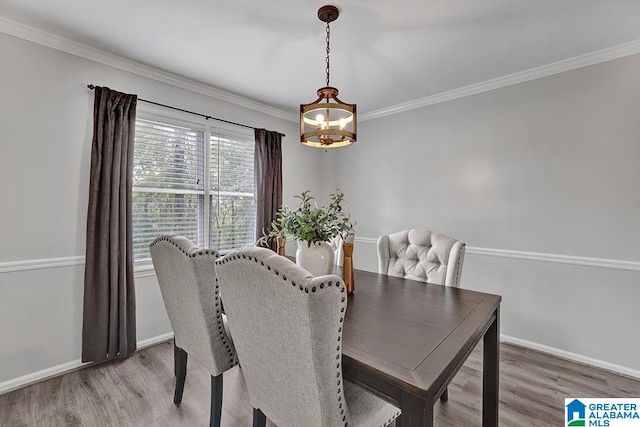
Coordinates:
317	259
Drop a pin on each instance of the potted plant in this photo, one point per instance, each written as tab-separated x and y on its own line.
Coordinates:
313	227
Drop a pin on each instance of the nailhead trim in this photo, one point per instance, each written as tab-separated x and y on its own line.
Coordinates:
459	264
306	290
233	360
220	323
197	251
397	414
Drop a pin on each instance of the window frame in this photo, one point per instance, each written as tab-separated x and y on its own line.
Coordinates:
144	268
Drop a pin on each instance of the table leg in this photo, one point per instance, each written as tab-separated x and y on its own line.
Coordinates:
415	412
490	373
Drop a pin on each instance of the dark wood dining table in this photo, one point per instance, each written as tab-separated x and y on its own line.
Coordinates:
405	340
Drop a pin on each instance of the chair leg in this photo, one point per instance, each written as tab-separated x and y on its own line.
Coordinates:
259	419
216	401
176	351
445	395
181	374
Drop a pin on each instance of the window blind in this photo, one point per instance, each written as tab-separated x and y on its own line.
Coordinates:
168	184
232	208
204	192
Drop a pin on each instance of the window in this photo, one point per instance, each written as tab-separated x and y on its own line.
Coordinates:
196	182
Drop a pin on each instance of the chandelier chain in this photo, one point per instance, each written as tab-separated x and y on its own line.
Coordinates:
328	30
317	128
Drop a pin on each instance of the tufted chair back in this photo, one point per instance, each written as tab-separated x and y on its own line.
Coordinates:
187	278
421	254
287	328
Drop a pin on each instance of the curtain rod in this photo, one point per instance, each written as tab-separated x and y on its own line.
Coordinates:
207	117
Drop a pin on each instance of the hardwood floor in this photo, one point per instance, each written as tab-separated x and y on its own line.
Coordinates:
139	392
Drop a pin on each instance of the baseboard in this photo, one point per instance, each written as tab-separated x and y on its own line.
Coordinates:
154	340
45	374
65	368
574	357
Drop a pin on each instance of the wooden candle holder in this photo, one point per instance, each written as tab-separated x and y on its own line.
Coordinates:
347	268
281	241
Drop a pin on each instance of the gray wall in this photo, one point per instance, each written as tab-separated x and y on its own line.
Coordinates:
544	170
46	116
549	167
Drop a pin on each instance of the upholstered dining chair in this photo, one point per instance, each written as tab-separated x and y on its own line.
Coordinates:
287	329
187	278
421	254
424	255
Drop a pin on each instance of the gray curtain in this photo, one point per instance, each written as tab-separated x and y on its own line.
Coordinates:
268	177
109	322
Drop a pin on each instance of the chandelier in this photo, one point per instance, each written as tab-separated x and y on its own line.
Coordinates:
328	122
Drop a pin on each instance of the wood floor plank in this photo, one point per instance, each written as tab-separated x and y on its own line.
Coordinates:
139	392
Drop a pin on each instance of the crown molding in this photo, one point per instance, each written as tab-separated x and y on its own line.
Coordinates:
604	55
78	49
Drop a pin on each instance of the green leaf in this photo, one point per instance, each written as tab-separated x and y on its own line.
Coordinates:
309	222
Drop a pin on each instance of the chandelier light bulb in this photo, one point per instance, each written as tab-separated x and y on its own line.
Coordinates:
319	119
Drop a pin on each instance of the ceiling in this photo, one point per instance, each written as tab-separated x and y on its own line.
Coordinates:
383	53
